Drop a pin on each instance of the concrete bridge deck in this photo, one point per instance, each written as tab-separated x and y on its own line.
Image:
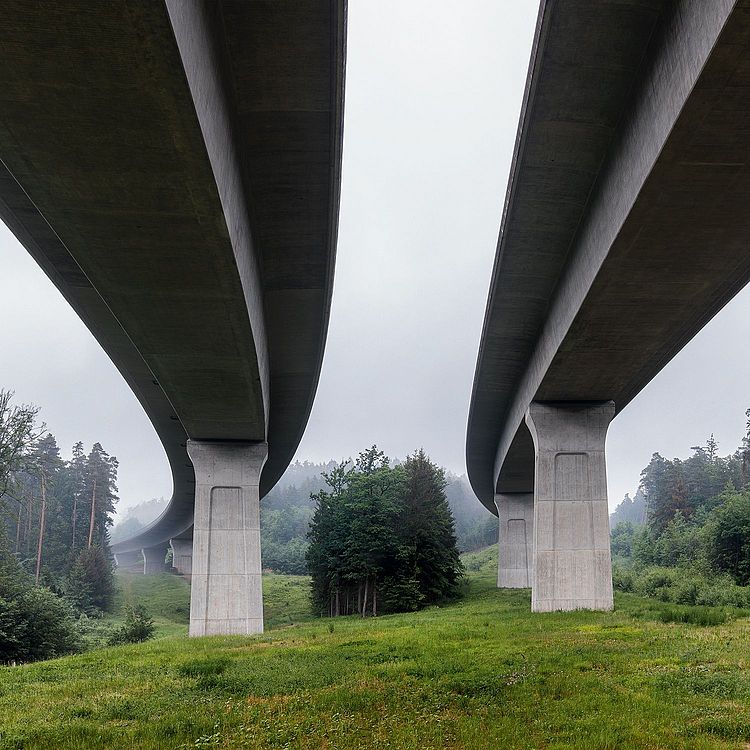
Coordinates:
625	228
174	168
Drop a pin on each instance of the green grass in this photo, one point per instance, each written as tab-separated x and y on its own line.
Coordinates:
166	597
482	673
286	600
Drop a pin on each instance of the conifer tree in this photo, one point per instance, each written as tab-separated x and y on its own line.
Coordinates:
99	495
430	530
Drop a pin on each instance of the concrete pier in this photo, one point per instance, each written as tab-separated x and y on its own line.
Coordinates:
130	561
227	594
515	513
572	565
153	560
182	555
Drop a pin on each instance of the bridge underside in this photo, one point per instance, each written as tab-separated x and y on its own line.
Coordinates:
174	168
625	228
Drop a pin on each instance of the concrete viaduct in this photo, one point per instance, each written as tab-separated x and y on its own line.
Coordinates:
174	168
626	227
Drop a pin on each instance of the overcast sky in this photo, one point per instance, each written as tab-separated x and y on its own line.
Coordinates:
433	95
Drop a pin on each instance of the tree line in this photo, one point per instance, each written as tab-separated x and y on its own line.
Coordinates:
287	510
55	560
693	546
382	537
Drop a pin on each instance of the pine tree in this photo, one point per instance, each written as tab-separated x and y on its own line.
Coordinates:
52	552
90	583
328	538
430	530
77	479
744	453
99	495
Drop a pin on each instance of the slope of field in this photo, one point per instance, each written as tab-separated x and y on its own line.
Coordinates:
166	597
482	673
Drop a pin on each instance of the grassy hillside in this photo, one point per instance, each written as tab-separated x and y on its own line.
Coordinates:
166	597
482	673
286	599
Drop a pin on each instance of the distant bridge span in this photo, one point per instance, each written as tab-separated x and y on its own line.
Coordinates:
174	168
626	228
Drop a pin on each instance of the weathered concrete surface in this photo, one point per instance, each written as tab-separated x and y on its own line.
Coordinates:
572	564
626	219
182	555
227	591
153	559
174	168
515	514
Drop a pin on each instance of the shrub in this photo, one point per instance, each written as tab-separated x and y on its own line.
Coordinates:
36	625
656	582
34	622
728	536
138	627
51	629
685	591
688	586
90	584
623	579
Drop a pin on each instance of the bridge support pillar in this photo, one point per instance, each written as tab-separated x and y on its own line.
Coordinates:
153	560
515	513
182	555
226	590
572	564
132	561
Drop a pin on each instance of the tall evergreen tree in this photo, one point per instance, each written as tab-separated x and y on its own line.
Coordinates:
99	495
743	453
430	530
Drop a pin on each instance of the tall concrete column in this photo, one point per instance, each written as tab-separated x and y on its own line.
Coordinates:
515	514
226	590
572	565
182	555
132	561
153	559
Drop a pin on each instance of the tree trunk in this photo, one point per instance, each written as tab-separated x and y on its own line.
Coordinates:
28	525
42	520
75	514
375	597
93	509
338	611
18	526
359	598
364	605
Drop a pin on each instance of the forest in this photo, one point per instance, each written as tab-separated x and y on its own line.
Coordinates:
55	560
685	537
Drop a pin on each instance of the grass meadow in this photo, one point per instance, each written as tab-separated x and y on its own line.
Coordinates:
480	673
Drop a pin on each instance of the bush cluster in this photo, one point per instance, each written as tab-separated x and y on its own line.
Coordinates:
35	623
138	627
681	585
